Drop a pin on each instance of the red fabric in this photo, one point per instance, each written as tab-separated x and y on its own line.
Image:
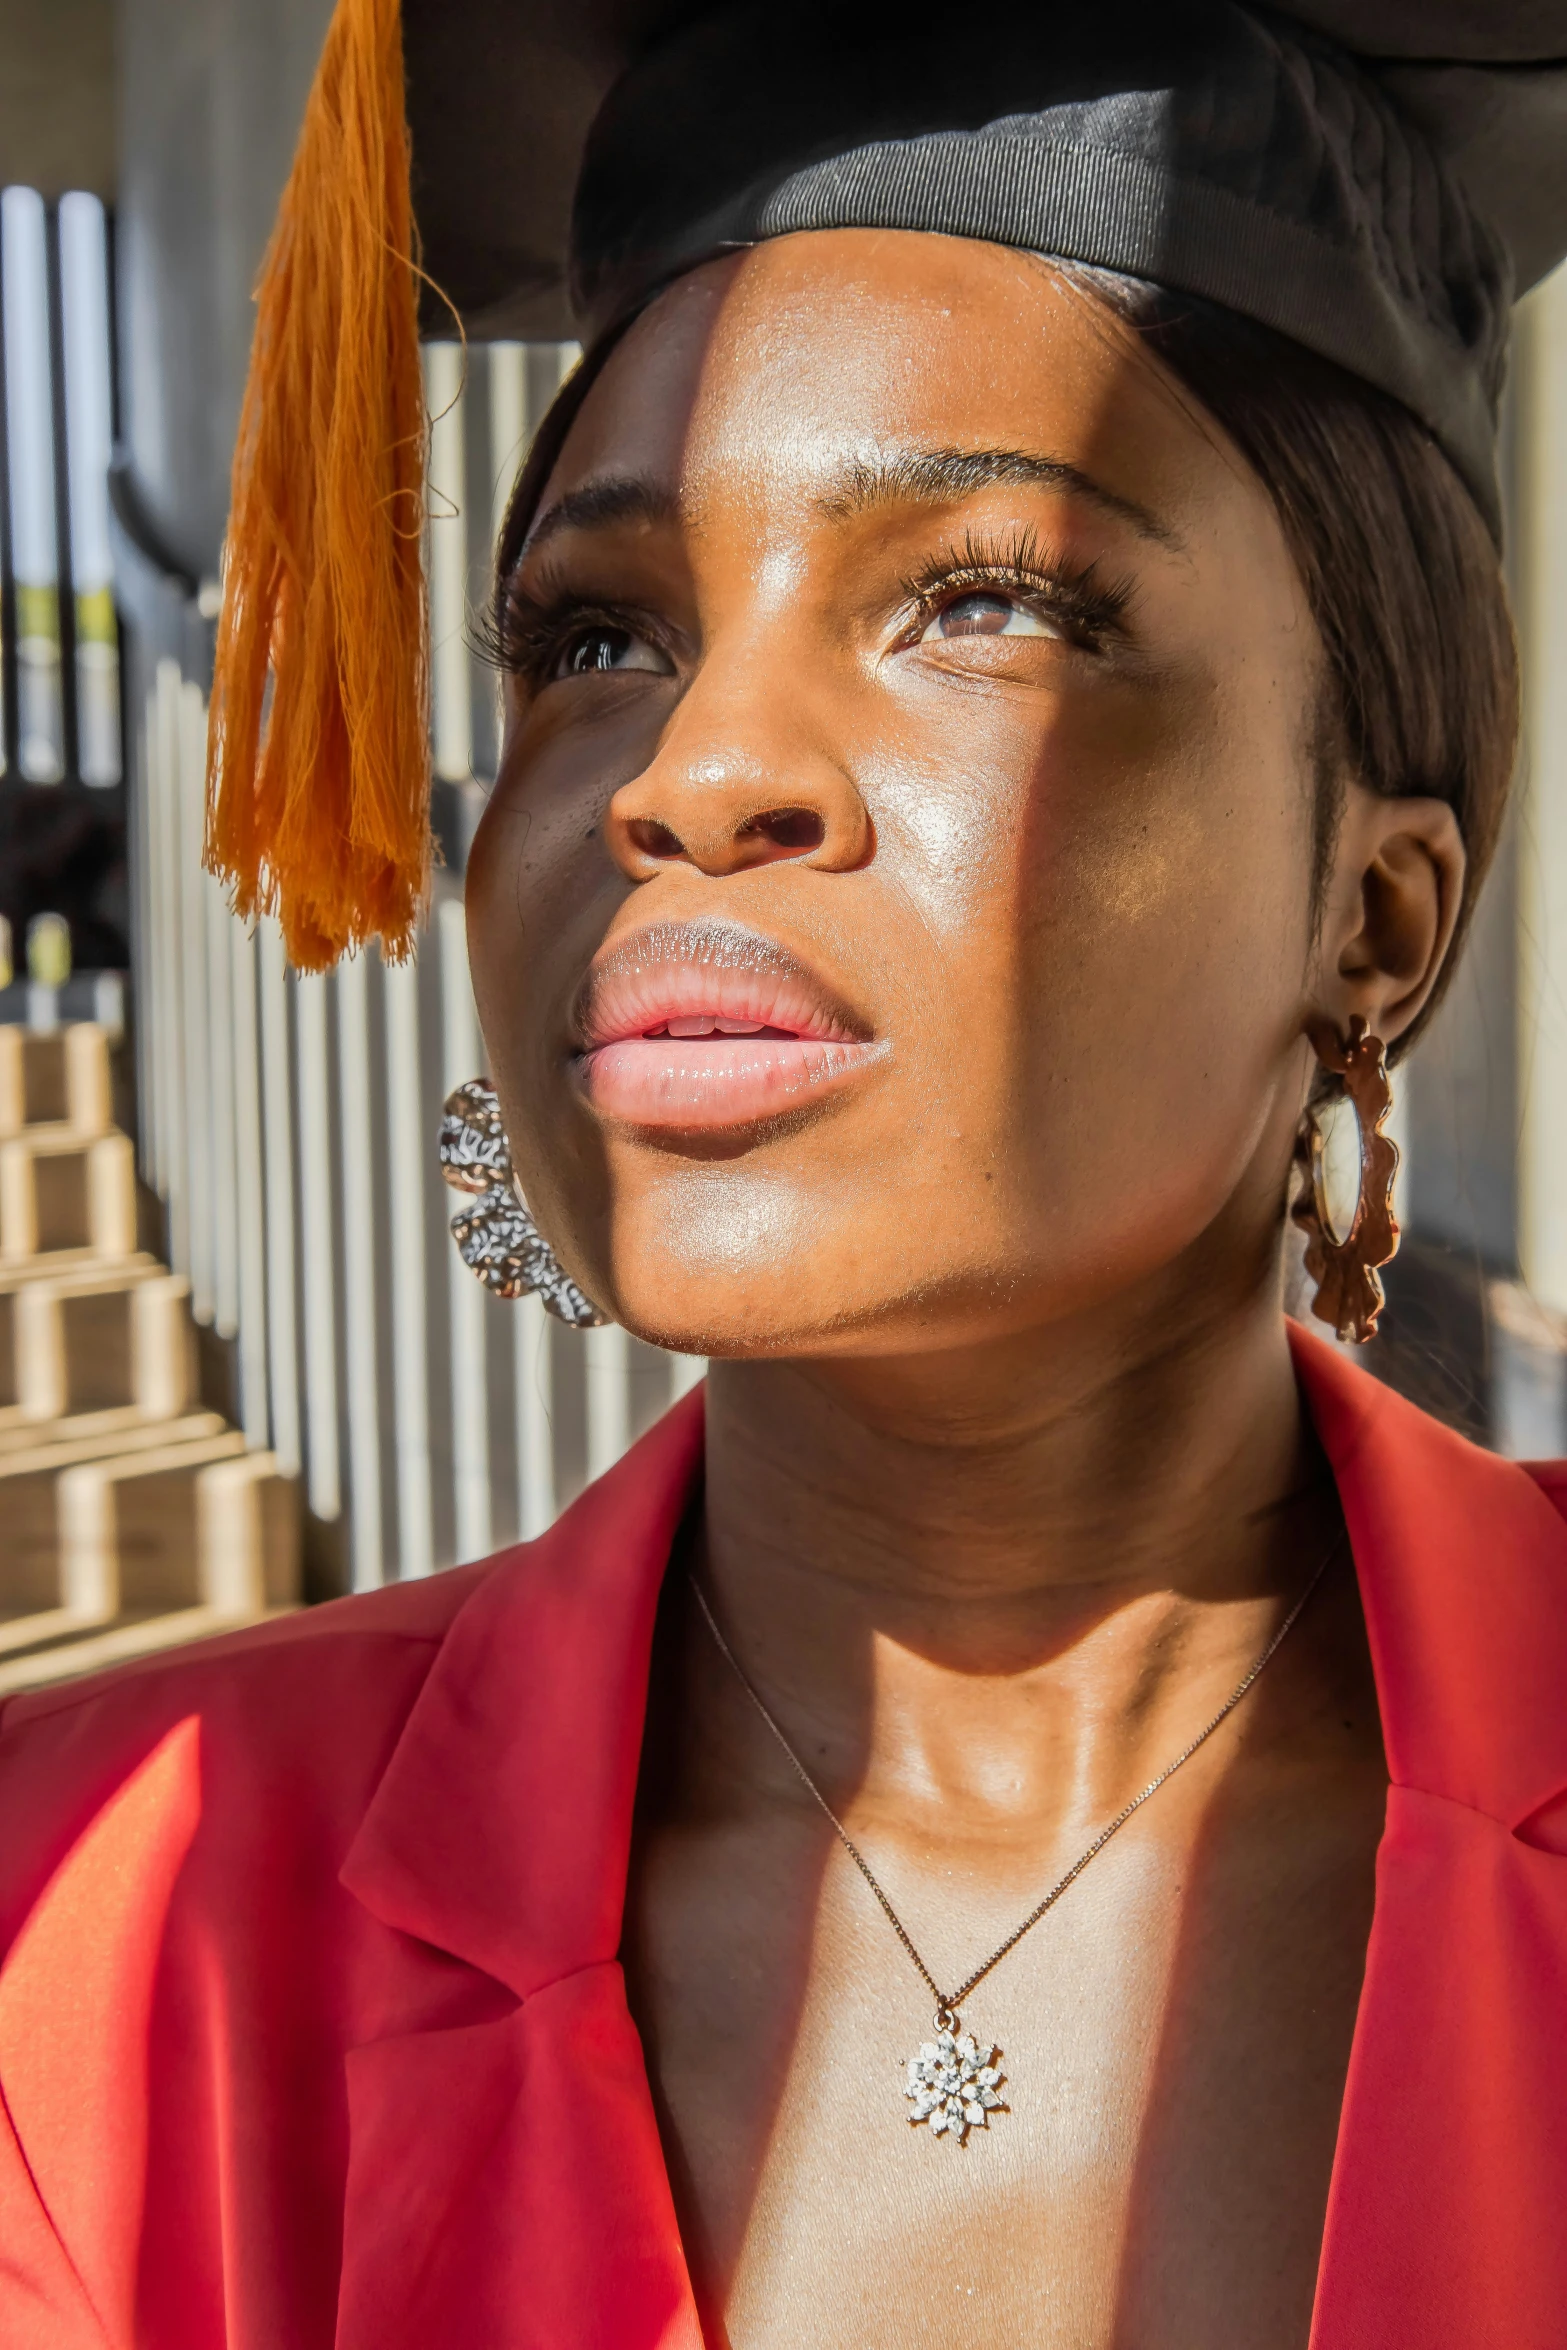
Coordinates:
312	2030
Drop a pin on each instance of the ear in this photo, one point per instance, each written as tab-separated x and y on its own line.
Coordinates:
1392	907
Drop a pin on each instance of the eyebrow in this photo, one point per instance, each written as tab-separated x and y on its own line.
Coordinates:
599	505
940	477
930	477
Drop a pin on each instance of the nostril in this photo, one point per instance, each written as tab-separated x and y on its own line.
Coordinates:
655	839
787	828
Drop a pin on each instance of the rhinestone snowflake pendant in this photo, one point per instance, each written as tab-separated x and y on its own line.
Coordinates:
953	2084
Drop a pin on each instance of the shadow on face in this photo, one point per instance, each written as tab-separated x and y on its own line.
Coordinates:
892	922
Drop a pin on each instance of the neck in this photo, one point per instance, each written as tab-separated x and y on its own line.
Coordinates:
1111	1518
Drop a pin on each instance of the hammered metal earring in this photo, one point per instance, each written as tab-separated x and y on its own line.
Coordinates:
496	1237
1349	1292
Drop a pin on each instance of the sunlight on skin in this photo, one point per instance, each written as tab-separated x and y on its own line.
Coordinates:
924	640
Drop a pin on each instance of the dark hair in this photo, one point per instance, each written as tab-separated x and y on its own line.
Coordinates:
1403	579
1402	576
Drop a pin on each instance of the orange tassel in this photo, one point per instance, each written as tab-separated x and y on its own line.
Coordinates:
318	805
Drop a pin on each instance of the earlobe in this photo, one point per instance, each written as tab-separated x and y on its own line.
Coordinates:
1400	875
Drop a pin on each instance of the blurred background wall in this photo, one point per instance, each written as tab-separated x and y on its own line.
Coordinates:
58	100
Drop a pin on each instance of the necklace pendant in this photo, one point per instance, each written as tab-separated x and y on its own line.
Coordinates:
953	2083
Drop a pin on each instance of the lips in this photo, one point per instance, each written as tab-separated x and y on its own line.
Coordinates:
701	1025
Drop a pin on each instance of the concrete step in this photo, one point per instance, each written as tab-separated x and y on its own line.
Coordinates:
121	1338
86	1270
153	1548
57	1079
182	1525
64	1650
31	1554
63	1199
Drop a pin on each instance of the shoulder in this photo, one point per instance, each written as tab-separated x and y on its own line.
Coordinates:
287	1726
1551	1478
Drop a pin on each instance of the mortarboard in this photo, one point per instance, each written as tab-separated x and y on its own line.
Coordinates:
1374	178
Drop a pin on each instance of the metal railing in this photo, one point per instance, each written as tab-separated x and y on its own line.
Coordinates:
60	661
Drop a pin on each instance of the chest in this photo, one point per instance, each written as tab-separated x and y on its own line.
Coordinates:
1173	2037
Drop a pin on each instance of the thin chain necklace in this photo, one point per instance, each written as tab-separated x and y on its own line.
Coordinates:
953	2083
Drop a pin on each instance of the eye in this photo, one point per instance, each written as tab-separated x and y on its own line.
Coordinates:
987	612
594	650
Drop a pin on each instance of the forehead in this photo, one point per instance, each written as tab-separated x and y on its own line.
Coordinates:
769	376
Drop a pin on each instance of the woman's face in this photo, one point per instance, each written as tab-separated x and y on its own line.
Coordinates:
892	921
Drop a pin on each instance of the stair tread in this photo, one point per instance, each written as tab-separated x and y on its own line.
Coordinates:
97	1442
94	1645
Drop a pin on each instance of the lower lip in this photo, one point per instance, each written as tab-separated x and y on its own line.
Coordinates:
709	1082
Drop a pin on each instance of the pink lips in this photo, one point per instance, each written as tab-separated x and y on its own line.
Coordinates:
704	1025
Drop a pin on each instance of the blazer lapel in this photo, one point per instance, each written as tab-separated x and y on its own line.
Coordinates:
506	2179
1444	2217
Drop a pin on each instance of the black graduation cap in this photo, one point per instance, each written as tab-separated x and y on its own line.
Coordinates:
1374	178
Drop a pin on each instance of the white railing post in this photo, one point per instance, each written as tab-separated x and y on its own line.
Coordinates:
356	1145
249	1191
317	1285
533	1373
1542	814
190	898
406	1143
461	1058
278	1161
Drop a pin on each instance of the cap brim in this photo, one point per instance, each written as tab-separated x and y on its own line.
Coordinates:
501	95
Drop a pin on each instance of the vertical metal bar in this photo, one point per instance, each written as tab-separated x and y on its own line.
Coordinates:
609	1396
277	1139
84	304
146	936
406	1144
508	426
535	1408
190	897
35	546
1542	814
461	1057
143	958
249	1190
451	716
163	778
225	1163
356	1146
318	1286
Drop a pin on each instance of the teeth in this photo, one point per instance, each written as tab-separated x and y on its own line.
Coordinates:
707	1024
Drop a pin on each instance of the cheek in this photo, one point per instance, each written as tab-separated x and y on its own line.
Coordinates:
540	890
1147	835
1110	945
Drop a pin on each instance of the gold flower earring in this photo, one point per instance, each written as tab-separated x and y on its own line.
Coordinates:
496	1237
1349	1293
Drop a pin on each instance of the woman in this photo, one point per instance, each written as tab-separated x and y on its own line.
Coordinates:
1044	1806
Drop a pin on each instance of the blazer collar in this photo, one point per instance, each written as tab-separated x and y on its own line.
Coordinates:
1463	1573
501	1830
500	1833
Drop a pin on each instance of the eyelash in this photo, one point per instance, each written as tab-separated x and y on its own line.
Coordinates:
1086	607
528	633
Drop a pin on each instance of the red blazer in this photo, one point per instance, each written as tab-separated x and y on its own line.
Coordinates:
312	2029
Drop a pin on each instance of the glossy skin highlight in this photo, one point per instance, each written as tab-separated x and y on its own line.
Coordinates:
903	657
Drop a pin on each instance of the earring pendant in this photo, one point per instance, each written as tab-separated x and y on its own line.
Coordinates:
496	1237
1349	1293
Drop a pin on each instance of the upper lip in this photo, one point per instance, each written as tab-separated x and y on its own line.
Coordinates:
707	969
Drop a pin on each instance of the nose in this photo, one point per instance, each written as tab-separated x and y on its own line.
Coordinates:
737	782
